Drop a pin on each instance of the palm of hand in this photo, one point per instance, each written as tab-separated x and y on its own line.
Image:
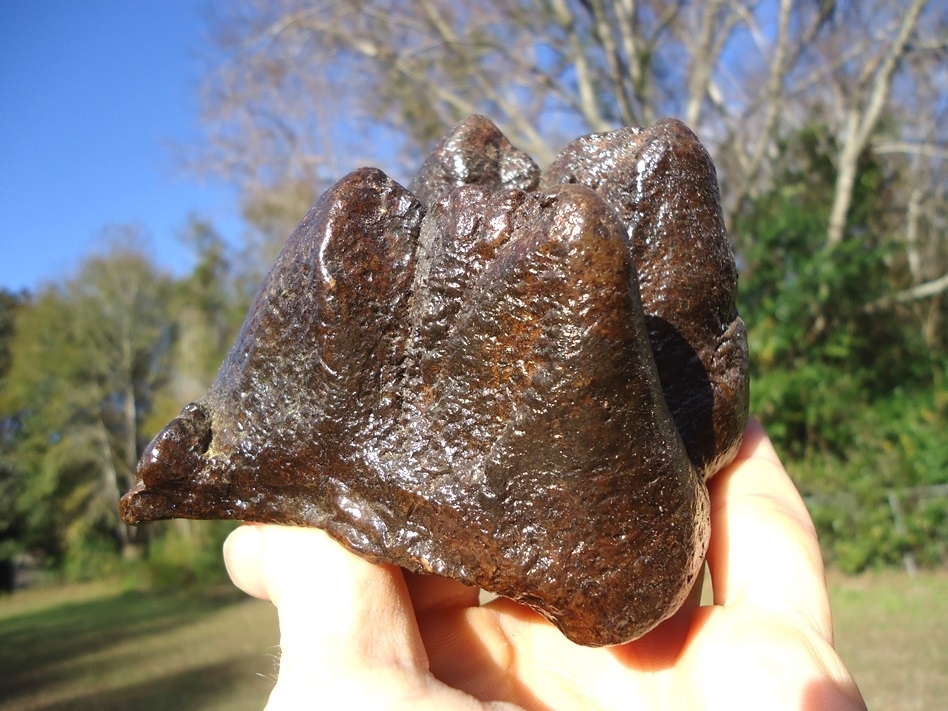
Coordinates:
369	636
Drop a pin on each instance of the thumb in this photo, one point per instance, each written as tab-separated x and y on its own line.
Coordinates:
342	619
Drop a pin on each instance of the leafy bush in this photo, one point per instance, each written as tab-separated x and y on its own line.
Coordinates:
93	558
188	554
898	457
849	388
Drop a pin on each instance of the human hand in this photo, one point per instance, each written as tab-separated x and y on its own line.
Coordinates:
357	635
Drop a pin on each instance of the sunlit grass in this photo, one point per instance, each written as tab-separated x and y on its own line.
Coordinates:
892	632
95	646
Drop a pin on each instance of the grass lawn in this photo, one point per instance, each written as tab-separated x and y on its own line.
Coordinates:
892	632
95	647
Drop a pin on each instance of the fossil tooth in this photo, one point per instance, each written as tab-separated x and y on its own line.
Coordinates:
314	370
463	382
474	152
663	184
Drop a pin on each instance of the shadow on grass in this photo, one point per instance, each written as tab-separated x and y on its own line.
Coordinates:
44	646
191	689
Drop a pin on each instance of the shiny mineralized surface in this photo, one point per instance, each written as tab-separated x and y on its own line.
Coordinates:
663	185
460	379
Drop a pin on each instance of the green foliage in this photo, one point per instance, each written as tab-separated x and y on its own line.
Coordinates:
209	304
187	555
848	391
86	363
886	498
97	365
818	353
8	306
10	520
93	558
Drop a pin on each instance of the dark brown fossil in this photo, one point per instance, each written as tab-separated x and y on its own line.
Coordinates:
663	185
460	379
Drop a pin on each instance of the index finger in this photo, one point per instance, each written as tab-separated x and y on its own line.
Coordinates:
764	551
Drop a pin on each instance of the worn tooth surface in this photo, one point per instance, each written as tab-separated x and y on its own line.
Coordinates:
470	389
474	152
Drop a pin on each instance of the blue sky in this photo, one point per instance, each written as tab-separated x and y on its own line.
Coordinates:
91	95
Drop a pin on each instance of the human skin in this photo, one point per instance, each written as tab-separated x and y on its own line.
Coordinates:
359	635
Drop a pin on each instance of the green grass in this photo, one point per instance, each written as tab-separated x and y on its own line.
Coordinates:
892	632
96	647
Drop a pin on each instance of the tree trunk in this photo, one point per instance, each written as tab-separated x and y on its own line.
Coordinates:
861	123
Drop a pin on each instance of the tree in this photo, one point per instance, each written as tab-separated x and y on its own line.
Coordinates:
825	119
881	68
297	87
865	96
846	392
207	308
87	361
9	483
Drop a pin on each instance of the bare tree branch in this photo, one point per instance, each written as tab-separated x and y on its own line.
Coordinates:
774	93
915	293
861	123
927	150
712	38
588	100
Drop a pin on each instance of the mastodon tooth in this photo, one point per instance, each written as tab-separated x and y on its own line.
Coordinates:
465	385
